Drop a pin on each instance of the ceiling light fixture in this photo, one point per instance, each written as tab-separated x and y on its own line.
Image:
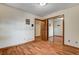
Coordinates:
42	4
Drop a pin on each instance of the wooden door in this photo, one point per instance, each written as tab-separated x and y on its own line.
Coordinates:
44	30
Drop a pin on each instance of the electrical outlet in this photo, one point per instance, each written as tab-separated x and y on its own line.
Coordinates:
68	40
24	39
76	42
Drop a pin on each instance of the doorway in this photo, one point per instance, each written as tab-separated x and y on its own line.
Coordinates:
56	30
37	29
41	30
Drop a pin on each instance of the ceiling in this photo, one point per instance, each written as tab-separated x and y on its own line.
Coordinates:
36	9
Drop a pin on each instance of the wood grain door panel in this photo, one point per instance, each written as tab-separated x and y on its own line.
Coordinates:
44	30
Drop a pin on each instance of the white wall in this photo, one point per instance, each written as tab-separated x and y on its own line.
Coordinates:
71	22
13	29
50	32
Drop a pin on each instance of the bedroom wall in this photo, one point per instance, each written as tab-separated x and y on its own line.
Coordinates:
71	22
50	28
13	29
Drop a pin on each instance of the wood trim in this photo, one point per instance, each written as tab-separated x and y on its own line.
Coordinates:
63	29
71	46
63	24
55	16
37	36
36	19
57	36
45	30
50	36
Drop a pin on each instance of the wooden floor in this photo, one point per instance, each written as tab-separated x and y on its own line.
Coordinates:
39	47
58	40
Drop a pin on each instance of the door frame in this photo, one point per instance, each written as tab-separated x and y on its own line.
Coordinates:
36	19
41	30
63	25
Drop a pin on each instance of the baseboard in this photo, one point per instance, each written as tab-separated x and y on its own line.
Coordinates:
71	46
17	45
50	36
57	36
37	36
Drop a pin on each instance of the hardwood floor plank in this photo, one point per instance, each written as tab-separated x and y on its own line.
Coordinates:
39	47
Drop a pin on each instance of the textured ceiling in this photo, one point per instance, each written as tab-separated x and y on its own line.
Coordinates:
36	9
